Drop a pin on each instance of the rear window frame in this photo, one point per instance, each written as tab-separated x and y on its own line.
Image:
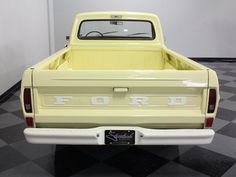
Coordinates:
118	38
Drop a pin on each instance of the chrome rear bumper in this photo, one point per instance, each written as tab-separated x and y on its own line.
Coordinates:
95	136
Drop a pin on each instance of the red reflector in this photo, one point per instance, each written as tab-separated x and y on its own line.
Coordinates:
27	100
212	101
29	121
209	122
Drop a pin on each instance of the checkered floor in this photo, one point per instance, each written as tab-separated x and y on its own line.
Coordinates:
20	159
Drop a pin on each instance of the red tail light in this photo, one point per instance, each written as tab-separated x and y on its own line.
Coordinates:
209	122
212	101
27	100
29	121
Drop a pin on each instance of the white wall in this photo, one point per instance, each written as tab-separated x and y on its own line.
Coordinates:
24	38
195	28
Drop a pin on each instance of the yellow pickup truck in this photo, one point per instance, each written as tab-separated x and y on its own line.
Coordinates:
116	83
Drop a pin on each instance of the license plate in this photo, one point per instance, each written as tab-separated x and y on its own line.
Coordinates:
119	137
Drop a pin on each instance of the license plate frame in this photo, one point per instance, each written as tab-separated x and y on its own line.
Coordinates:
119	137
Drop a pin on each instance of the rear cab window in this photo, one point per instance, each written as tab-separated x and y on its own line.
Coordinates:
116	29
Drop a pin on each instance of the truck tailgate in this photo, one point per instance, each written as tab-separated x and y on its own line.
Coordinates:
154	99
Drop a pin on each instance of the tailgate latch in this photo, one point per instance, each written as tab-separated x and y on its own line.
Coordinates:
120	89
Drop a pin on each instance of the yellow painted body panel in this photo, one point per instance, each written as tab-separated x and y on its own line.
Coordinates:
94	83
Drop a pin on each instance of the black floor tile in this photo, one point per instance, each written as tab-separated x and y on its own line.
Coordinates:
101	152
222	82
33	151
13	98
101	170
167	152
231	74
228	89
47	163
19	114
226	114
205	161
228	130
28	169
10	158
13	133
173	169
6	97
223	68
136	162
233	98
2	111
70	160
